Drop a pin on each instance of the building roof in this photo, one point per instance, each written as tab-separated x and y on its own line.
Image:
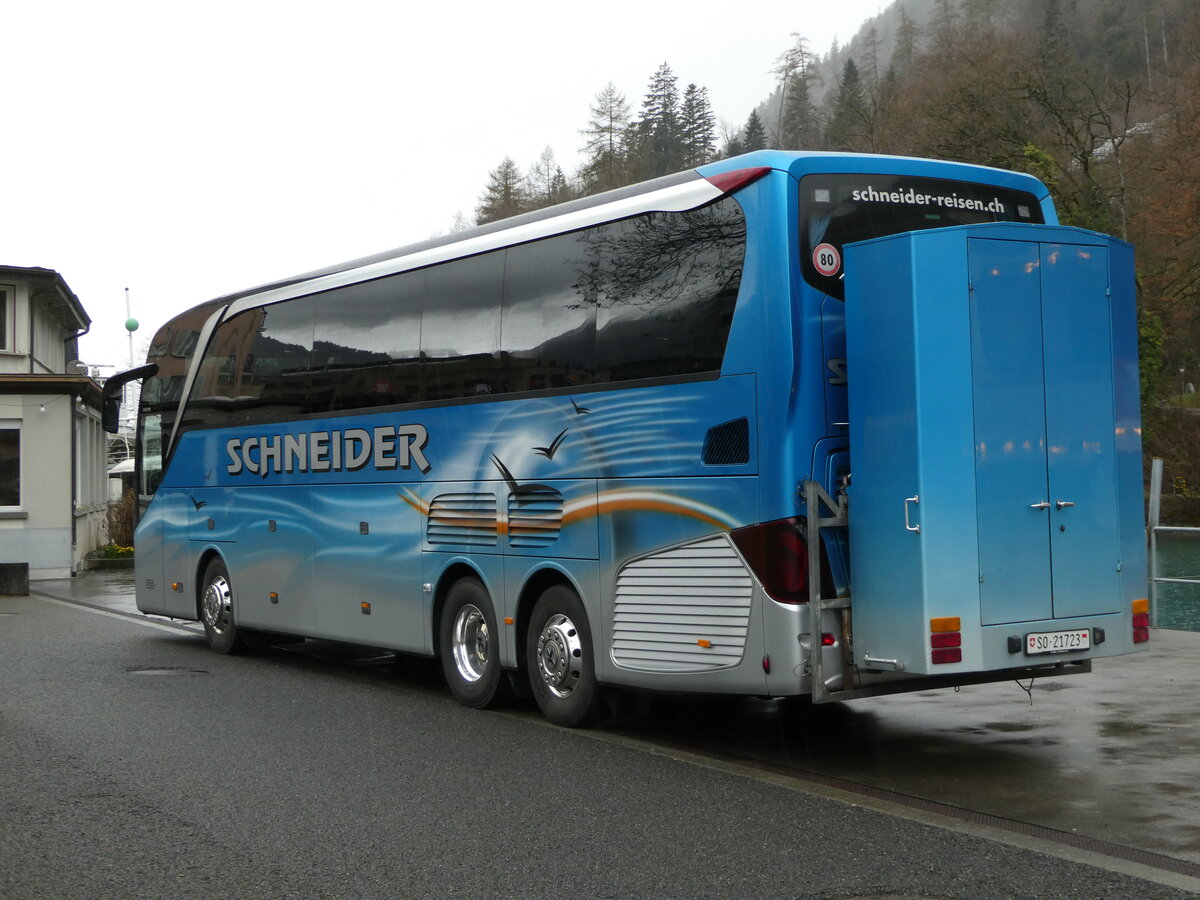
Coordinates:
50	288
80	385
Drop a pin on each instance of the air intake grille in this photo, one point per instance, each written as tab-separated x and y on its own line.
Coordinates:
669	606
728	444
462	519
535	519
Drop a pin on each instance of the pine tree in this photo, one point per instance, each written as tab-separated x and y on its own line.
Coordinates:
754	135
945	25
657	146
505	194
605	167
908	37
798	126
561	189
848	112
792	63
698	127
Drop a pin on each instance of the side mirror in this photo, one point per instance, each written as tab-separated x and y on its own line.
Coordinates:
110	414
110	410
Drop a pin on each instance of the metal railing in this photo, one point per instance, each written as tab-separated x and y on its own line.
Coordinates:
1155	529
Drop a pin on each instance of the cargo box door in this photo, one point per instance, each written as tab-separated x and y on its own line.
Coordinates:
1010	432
1081	433
1044	441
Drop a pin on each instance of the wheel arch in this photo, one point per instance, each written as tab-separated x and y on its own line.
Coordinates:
537	583
455	571
202	563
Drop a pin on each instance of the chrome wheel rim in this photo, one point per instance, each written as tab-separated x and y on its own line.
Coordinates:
217	604
560	655
471	641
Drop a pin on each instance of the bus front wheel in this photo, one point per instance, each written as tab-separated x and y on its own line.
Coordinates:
470	646
216	610
558	655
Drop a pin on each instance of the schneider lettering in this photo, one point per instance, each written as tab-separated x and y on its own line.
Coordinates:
382	447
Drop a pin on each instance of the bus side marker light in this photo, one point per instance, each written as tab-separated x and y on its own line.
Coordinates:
827	640
767	664
274	597
366	608
508	620
706	644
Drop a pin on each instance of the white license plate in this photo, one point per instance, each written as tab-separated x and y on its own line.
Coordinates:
1058	641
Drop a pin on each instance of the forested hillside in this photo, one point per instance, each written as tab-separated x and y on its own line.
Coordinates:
1098	98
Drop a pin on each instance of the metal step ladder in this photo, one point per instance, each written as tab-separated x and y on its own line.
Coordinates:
817	503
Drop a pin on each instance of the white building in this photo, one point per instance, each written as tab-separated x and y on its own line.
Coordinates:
53	487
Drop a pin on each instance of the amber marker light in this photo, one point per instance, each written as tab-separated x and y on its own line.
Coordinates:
947	623
508	620
706	644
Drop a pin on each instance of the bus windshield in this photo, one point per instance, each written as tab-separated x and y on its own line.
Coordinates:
838	209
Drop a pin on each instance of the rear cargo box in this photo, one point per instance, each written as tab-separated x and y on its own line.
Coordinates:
995	446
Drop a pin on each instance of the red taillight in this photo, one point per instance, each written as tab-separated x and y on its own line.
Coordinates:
947	655
728	182
1141	620
777	553
949	639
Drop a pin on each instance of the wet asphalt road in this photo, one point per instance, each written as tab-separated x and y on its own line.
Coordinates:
140	764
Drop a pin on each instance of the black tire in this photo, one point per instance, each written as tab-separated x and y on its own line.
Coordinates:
216	610
469	644
559	659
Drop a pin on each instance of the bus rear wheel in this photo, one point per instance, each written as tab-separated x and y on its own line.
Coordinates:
470	646
216	610
558	656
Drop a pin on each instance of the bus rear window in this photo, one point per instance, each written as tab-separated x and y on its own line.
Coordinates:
839	209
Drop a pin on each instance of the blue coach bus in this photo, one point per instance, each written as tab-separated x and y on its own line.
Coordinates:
788	424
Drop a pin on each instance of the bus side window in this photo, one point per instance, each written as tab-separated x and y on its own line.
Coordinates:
460	329
669	283
367	348
548	322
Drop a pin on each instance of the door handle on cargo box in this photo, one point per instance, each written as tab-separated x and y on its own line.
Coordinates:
915	529
1045	504
1063	504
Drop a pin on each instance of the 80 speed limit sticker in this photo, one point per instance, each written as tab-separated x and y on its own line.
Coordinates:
826	259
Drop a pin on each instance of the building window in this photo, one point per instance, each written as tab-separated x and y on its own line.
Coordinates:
7	311
10	466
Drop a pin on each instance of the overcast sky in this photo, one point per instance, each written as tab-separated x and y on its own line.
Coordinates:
189	150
